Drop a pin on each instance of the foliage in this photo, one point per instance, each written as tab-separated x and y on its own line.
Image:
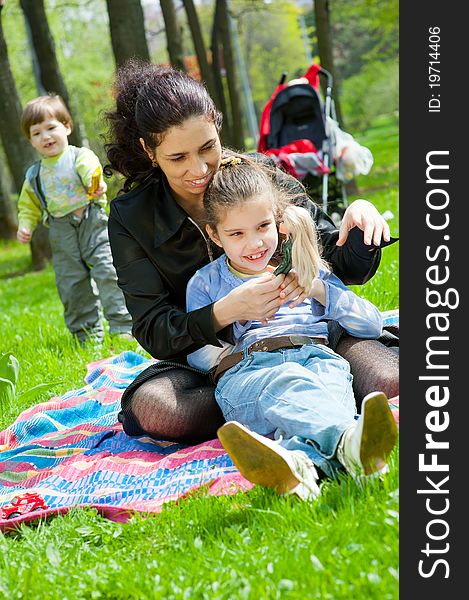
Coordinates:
18	50
363	31
365	35
365	50
272	43
372	92
10	400
9	367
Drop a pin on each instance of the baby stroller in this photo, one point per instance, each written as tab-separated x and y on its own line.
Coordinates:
301	134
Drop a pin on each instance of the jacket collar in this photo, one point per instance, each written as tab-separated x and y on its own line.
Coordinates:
168	215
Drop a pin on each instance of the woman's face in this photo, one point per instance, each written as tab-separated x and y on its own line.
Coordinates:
189	155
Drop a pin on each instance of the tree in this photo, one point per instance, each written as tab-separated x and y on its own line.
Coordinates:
44	47
173	35
127	27
199	47
229	63
18	151
365	36
7	212
226	129
323	31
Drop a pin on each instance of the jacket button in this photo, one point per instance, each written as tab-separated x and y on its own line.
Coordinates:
264	348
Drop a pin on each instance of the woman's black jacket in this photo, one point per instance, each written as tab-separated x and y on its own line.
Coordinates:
156	249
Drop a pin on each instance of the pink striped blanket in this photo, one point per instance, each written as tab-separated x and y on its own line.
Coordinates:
71	451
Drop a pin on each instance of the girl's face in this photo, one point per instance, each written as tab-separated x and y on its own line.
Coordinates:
248	234
189	155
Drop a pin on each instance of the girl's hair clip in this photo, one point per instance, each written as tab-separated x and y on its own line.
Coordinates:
230	161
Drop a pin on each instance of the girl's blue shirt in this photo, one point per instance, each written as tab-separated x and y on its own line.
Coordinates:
358	316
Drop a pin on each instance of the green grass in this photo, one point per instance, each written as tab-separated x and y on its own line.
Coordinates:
253	545
381	186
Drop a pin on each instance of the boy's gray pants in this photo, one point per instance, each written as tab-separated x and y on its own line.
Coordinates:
85	276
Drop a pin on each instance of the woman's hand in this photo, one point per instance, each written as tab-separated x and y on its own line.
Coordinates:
257	299
365	216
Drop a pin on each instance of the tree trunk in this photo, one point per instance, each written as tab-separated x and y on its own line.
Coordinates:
323	32
18	151
44	47
200	50
127	27
236	113
226	130
8	222
173	35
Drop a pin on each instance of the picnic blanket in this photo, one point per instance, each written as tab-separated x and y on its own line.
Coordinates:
71	451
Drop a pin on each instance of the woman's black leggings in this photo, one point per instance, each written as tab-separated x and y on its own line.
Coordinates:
179	404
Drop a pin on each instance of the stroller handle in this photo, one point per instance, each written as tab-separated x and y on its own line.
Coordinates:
329	103
322	71
283	78
330	79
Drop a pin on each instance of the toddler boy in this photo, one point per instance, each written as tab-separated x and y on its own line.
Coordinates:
57	189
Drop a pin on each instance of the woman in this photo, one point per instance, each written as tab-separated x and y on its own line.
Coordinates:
164	139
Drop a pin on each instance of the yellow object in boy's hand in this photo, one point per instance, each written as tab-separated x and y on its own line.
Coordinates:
94	185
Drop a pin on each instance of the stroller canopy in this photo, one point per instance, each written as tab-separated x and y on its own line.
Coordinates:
296	114
277	113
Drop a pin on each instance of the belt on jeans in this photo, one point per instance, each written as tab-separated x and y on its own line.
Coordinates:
265	345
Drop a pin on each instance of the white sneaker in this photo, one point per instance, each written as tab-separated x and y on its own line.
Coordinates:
364	447
264	462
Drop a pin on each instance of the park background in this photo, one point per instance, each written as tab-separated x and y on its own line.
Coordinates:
253	545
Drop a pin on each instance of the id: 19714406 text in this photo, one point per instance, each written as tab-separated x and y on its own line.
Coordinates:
434	76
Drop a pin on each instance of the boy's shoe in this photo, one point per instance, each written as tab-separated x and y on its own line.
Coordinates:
91	339
264	462
365	447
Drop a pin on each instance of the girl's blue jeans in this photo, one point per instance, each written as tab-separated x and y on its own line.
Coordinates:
303	396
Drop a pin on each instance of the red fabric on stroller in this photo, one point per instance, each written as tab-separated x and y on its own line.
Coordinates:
312	75
299	158
299	154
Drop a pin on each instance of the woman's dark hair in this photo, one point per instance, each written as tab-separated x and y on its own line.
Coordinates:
150	99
